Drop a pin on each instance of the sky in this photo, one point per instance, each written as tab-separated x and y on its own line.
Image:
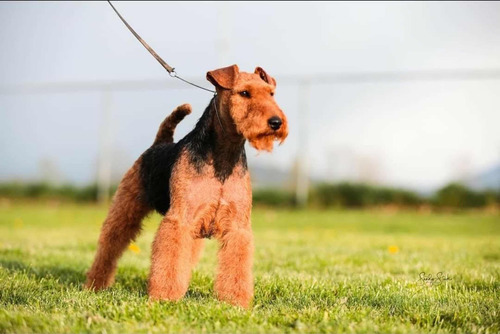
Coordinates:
412	133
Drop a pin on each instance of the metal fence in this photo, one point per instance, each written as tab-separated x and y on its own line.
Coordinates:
304	85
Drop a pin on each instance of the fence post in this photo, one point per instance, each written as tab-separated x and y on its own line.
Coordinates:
302	182
104	155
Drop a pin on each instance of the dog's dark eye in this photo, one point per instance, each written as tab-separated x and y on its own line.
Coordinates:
272	93
245	93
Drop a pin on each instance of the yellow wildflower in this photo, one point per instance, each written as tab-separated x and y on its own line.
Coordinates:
393	249
134	248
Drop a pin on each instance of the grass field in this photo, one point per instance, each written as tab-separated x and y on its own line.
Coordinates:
315	271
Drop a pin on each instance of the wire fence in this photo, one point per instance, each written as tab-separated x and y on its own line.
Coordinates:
303	83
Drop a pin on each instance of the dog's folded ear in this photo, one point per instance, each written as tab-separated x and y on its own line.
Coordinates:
264	76
224	77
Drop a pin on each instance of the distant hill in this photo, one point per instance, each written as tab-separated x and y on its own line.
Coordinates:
272	177
489	179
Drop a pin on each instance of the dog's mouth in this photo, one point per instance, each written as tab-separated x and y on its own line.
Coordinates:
275	135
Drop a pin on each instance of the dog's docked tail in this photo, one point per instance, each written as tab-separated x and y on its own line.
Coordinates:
166	131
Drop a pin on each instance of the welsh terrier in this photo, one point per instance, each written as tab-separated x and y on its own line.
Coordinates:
202	187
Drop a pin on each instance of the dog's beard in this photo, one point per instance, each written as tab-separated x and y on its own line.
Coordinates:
265	141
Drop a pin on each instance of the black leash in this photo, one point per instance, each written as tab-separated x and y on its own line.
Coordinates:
171	70
217	113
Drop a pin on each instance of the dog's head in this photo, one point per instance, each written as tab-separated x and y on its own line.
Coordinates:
248	100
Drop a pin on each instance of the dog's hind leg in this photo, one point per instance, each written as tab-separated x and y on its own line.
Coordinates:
121	226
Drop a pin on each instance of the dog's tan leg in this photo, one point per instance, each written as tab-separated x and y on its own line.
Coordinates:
170	261
196	250
234	282
121	226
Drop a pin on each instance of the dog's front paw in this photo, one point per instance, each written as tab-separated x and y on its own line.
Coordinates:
173	292
237	295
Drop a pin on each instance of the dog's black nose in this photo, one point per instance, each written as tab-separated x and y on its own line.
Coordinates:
274	122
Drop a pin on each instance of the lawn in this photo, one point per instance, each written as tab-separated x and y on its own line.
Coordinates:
315	271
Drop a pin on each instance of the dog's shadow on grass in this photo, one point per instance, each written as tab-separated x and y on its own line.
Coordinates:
72	276
64	275
128	278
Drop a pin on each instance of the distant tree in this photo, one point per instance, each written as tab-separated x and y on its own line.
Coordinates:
456	195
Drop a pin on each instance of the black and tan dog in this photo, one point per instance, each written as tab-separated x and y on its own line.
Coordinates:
202	187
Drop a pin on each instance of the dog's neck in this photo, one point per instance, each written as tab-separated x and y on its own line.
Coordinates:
214	140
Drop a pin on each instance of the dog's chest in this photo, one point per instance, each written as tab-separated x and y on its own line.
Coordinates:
208	203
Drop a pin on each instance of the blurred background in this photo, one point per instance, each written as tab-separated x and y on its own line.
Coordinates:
394	103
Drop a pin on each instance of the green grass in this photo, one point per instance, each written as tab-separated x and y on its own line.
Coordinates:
315	271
